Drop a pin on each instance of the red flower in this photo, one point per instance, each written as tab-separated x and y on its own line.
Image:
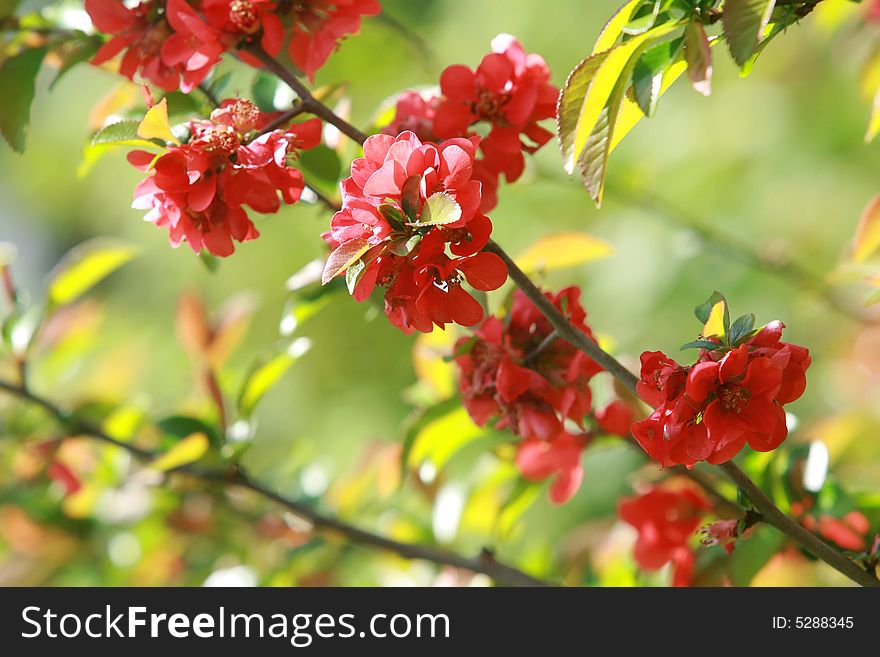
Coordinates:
721	532
171	49
197	190
511	90
319	25
415	113
615	418
850	532
560	457
731	397
516	373
243	20
509	372
404	205
665	519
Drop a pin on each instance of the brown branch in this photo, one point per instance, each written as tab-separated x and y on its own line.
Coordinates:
771	514
310	103
571	334
483	563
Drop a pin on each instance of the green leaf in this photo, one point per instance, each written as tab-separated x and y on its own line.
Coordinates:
18	75
742	326
439	209
393	216
744	24
189	450
421	420
752	554
708	345
698	54
216	85
410	197
593	155
630	113
121	133
265	374
570	102
321	165
86	265
616	68
263	90
873	298
343	256
643	19
353	275
178	427
298	310
702	311
648	74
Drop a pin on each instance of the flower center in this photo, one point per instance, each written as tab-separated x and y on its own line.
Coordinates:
243	15
733	397
489	105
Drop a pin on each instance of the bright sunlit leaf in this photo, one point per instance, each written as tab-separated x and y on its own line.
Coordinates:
189	450
86	265
155	124
562	250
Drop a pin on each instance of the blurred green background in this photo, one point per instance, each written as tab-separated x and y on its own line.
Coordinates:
777	161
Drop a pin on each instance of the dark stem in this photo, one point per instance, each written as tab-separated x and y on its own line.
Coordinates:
310	103
482	563
804	538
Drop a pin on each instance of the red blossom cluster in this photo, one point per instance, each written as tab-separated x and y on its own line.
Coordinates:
176	43
198	190
510	91
852	531
666	519
731	397
410	223
516	372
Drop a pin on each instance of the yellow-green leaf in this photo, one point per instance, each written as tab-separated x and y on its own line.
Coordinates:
189	450
714	327
874	122
86	265
343	256
266	374
440	439
867	239
617	63
614	27
156	125
562	250
630	113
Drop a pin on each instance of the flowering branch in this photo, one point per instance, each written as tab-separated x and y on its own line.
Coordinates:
568	332
483	563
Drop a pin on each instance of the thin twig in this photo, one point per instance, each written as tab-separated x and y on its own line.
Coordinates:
482	563
312	104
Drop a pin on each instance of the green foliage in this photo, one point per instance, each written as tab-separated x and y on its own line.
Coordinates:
745	22
17	80
753	553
